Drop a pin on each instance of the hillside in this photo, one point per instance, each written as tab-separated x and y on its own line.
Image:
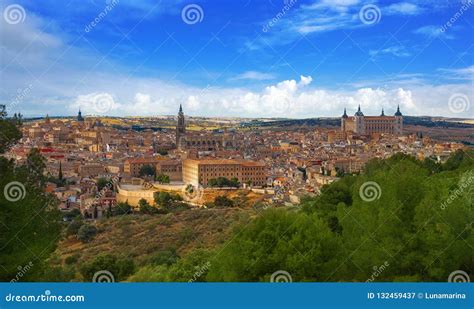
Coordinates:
141	237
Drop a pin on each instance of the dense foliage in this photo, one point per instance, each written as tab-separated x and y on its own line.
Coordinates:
29	219
419	225
119	268
223	182
416	226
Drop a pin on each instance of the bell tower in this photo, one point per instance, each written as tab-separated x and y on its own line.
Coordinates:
180	128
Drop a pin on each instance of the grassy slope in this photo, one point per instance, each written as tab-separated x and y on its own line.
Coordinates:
141	236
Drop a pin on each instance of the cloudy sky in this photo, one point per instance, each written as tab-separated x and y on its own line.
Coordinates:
248	58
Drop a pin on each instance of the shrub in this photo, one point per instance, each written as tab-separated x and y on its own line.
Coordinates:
165	257
223	201
71	259
86	233
74	227
119	268
162	178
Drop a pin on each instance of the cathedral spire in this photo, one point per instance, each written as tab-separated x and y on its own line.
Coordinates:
383	114
79	116
180	108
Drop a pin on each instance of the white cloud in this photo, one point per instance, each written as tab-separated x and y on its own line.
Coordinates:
96	103
460	73
65	85
403	8
433	31
253	75
398	51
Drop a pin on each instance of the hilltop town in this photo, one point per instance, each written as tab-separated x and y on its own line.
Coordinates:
92	166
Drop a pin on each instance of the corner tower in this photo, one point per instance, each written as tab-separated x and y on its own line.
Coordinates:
359	122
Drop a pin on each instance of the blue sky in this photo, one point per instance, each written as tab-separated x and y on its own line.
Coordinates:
268	58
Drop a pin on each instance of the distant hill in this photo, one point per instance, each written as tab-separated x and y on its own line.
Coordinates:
335	122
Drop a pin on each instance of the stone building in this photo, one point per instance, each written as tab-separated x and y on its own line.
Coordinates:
200	171
208	141
367	125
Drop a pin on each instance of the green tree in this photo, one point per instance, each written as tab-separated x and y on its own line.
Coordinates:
162	178
119	268
120	209
223	182
191	268
74	213
223	201
147	209
86	233
28	215
74	227
147	170
417	223
102	183
165	199
165	257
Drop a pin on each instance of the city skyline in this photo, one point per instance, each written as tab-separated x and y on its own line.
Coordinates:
270	59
